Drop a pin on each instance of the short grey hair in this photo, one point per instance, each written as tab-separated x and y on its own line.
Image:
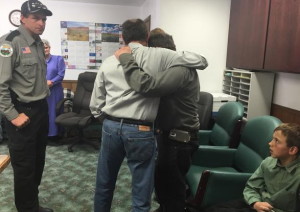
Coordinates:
46	42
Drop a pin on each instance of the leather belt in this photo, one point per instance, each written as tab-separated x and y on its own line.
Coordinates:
30	104
130	121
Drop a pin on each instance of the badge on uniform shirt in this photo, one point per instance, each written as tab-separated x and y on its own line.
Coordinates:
26	50
6	50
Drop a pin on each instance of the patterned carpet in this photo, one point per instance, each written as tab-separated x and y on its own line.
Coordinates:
68	182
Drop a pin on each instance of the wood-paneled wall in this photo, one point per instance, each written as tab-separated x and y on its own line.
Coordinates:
285	114
70	84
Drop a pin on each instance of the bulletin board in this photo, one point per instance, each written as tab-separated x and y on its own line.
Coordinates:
85	45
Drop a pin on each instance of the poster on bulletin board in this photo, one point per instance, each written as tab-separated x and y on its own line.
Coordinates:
85	45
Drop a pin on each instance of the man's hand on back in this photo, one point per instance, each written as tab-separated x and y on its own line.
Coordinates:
123	50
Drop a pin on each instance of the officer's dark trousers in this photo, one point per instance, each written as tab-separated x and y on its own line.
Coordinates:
27	148
173	162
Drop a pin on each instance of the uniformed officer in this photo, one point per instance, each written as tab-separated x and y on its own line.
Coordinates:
23	89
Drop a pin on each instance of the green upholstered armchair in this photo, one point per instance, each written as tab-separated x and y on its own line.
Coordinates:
205	107
226	129
219	174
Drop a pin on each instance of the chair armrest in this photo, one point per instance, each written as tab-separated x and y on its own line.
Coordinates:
218	187
4	161
60	104
213	157
85	121
298	200
203	137
236	135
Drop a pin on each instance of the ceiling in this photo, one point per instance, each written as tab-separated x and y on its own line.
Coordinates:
111	2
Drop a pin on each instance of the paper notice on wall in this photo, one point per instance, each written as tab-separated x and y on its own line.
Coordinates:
85	44
78	54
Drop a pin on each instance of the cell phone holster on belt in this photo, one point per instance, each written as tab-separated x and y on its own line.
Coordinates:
180	135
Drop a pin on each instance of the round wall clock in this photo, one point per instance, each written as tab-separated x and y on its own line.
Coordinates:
14	17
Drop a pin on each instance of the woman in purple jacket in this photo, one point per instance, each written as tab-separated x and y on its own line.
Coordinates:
55	75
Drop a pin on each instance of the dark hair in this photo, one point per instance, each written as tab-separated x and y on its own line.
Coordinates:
157	30
292	133
158	38
134	30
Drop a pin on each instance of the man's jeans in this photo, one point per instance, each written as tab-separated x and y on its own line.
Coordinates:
121	140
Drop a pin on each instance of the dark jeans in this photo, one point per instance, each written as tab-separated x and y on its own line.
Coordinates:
173	162
231	206
27	148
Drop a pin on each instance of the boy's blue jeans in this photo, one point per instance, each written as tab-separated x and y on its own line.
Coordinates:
121	140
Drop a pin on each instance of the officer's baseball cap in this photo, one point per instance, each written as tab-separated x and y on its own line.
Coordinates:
34	6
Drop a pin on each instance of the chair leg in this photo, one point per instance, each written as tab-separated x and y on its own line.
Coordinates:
82	140
70	147
91	143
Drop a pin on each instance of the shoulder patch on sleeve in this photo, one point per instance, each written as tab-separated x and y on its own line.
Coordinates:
12	35
6	50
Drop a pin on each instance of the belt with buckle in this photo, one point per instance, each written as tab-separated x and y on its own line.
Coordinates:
130	121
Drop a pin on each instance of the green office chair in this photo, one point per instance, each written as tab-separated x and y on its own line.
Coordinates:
220	174
226	129
205	107
298	200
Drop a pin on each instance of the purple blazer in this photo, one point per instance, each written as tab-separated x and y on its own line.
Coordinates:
55	73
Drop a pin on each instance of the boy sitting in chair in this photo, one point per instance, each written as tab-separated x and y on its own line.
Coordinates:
274	186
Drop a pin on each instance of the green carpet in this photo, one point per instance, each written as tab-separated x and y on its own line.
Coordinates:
68	182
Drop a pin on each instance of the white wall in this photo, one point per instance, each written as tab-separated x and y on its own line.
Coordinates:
68	11
196	25
5	9
287	90
151	7
200	26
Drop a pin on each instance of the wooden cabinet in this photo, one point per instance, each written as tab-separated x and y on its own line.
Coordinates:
70	84
247	33
283	42
264	35
253	89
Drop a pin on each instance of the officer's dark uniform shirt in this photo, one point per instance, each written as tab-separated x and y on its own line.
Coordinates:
22	70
